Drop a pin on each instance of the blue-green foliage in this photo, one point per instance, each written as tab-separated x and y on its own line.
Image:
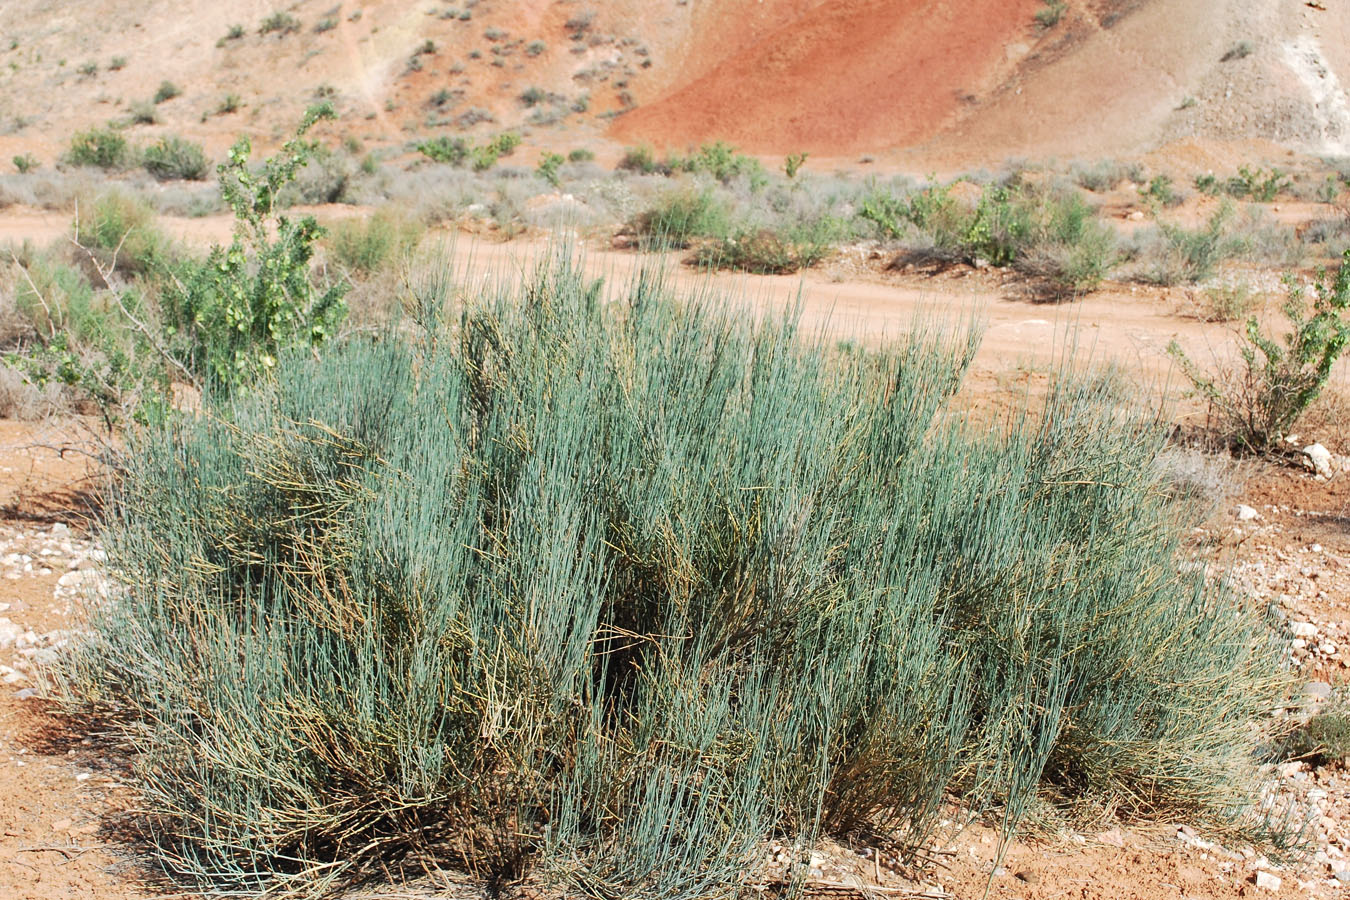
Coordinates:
600	595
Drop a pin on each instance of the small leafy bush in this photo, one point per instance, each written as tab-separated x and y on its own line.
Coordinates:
117	64
101	148
793	164
1240	50
232	314
580	154
549	164
1259	401
234	33
443	149
25	163
1257	184
1161	191
721	161
173	158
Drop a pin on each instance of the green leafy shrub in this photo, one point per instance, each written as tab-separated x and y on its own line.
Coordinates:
25	163
117	64
230	103
1278	378
721	161
454	151
234	33
365	245
166	91
549	164
173	158
597	594
793	164
1161	191
1258	184
101	148
580	154
232	314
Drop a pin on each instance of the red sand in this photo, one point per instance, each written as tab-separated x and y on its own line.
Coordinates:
843	77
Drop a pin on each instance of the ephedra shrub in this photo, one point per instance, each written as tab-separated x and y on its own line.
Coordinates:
600	591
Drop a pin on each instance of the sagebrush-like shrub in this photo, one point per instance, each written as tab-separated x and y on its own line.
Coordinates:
173	158
102	148
680	216
364	245
600	595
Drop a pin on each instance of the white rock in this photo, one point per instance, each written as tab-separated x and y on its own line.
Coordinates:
1267	881
60	529
1320	459
1303	629
1246	513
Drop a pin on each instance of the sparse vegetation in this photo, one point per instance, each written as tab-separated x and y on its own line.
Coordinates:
230	103
234	33
117	64
1178	255
25	163
793	164
1324	737
325	25
1240	50
279	23
1107	175
1046	232
580	154
88	69
1277	379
